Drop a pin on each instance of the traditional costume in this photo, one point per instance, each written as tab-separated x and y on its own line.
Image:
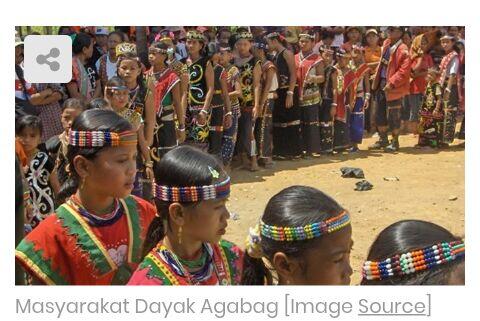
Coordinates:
164	134
309	100
449	67
219	264
286	121
229	138
75	247
216	118
263	124
357	117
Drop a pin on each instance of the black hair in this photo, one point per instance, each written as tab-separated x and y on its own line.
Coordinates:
90	120
115	81
131	56
82	40
64	30
328	34
28	121
289	208
98	103
117	33
163	46
408	235
73	103
182	166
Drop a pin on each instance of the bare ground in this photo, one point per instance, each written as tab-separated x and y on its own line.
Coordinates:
431	187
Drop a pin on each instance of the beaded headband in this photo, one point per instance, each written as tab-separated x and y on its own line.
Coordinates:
194	35
245	35
413	261
326	50
88	139
307	232
193	193
125	48
117	87
158	50
306	35
273	35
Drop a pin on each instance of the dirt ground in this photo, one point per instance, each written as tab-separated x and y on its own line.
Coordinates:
431	187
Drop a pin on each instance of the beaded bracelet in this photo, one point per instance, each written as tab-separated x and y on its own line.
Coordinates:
307	232
413	261
88	139
192	193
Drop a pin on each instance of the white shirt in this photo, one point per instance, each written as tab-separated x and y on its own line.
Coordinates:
111	67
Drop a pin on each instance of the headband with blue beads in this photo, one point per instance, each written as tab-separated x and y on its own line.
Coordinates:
413	261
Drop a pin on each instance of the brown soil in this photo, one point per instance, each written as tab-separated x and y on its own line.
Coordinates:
429	180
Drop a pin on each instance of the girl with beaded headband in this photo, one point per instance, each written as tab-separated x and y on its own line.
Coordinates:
184	244
414	252
304	237
117	95
141	101
95	236
168	101
250	75
201	90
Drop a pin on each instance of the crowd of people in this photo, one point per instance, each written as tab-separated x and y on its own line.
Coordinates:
111	198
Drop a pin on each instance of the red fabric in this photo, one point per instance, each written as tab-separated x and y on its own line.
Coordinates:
398	71
419	84
65	255
163	86
341	112
303	67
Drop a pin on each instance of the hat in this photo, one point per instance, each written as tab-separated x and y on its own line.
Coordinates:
101	31
224	48
369	31
174	28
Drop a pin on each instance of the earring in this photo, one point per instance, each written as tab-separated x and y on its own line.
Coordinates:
179	235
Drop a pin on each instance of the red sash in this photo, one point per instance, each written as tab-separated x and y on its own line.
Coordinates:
348	80
163	85
303	67
359	74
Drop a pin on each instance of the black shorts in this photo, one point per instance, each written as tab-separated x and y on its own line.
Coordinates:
394	114
381	110
388	113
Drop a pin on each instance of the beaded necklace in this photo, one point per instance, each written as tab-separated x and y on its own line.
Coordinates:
93	219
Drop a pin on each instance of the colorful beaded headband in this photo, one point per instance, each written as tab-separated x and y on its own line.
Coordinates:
125	48
245	35
413	261
306	35
307	232
194	35
193	193
89	139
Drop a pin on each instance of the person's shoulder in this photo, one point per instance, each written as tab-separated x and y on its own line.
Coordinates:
230	248
144	207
